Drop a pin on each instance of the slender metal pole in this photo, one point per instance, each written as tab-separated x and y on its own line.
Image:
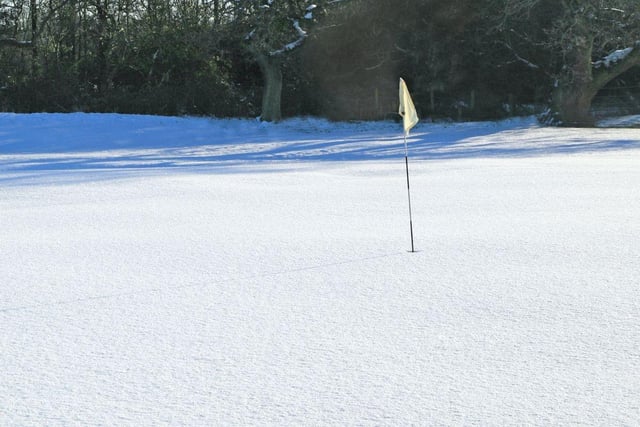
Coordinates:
406	162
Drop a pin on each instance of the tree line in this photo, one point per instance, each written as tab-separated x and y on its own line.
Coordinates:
341	59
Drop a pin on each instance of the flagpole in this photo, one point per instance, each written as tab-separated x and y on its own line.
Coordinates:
409	119
406	162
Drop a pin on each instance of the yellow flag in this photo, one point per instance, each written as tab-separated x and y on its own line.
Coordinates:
407	109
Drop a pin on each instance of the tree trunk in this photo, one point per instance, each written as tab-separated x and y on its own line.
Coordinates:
572	104
272	92
102	45
34	34
574	92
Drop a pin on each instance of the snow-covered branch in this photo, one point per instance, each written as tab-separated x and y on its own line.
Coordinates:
302	35
309	10
15	43
615	64
520	58
616	56
613	58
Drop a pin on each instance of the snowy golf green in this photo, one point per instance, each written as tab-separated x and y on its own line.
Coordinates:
185	271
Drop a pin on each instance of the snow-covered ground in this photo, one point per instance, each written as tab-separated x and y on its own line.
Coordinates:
621	122
182	271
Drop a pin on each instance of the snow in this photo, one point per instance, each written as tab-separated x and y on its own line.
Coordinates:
310	9
298	28
192	271
614	57
621	122
302	35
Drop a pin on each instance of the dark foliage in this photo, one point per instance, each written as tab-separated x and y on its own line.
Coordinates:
463	59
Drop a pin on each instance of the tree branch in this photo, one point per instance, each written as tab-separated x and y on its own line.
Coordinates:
302	35
605	71
15	43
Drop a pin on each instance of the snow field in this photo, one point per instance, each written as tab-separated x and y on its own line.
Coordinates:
282	293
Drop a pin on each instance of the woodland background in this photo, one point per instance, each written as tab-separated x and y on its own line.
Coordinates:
339	59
